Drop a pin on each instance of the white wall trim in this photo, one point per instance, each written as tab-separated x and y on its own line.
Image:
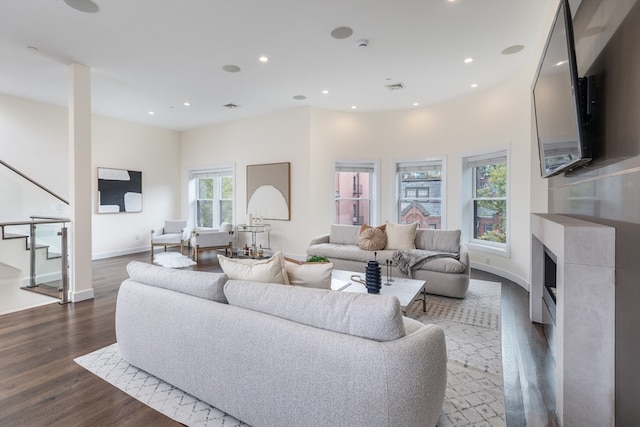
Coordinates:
111	254
502	273
84	295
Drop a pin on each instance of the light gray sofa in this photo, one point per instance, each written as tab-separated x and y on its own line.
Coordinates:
443	276
280	355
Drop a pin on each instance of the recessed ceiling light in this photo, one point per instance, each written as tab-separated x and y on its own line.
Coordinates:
324	92
561	63
415	104
353	107
86	6
299	97
512	49
187	104
468	60
151	113
231	68
474	85
263	59
341	33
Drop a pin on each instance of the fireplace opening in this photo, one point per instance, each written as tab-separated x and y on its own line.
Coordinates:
550	290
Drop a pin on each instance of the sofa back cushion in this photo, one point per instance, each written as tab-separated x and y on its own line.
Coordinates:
375	317
172	226
344	234
438	240
197	283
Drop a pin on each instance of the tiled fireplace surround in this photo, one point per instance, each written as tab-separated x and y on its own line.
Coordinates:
585	314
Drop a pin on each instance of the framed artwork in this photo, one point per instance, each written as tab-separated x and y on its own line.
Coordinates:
119	190
268	190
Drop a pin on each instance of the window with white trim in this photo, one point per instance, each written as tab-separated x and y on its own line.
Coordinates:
354	192
419	195
212	197
486	200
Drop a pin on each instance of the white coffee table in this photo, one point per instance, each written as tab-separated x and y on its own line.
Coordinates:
405	289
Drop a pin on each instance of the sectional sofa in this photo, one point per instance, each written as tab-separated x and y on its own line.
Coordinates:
280	355
444	259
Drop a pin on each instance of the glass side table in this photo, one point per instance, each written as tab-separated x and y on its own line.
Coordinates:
254	230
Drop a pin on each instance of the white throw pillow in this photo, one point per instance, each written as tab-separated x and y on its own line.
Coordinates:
269	270
401	236
309	274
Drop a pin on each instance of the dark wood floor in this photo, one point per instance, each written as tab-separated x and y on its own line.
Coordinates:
41	385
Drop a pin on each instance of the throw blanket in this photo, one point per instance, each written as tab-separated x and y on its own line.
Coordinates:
412	259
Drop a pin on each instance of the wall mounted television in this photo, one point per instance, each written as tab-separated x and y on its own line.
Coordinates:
563	101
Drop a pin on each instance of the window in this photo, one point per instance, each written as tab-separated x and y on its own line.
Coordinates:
212	197
354	189
419	189
486	215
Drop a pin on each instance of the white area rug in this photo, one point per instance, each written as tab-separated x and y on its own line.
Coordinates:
173	260
474	395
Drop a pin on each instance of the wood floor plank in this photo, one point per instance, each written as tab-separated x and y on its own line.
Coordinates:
40	385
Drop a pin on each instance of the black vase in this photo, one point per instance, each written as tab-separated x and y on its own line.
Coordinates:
373	278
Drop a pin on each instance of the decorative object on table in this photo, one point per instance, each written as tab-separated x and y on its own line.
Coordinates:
119	190
268	191
260	252
245	250
317	258
373	276
389	264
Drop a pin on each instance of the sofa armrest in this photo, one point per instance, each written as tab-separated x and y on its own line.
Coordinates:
320	239
464	259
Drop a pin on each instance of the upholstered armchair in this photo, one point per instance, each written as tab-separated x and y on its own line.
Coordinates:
204	240
174	233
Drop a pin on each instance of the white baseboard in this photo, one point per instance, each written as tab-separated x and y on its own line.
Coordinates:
502	273
121	252
87	294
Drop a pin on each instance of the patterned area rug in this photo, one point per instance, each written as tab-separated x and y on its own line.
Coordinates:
474	395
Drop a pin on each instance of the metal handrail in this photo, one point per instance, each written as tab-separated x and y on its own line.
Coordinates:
32	249
42	187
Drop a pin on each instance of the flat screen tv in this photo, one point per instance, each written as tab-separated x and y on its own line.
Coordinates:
562	100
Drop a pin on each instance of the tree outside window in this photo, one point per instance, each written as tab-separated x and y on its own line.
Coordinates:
490	202
213	199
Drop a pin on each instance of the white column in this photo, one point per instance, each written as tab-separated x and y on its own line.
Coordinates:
80	182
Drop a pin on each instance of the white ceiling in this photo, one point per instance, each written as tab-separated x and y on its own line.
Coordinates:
154	55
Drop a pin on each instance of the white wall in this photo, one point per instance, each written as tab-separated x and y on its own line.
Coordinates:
312	139
34	140
154	151
272	138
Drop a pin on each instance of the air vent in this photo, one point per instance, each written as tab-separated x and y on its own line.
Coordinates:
395	86
231	106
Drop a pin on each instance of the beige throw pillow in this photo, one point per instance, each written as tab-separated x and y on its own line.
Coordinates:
372	238
309	274
401	236
269	270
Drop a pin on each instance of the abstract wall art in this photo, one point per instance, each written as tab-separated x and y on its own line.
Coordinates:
119	190
268	190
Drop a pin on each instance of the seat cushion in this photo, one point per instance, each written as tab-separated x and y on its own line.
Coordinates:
168	239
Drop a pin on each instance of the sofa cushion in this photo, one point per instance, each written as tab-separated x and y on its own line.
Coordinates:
438	240
197	283
309	274
174	226
264	270
344	234
401	236
375	317
372	238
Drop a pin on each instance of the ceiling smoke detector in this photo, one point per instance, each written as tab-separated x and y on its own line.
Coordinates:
395	86
363	43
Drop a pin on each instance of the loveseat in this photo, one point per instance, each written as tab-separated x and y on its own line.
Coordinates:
444	259
280	355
